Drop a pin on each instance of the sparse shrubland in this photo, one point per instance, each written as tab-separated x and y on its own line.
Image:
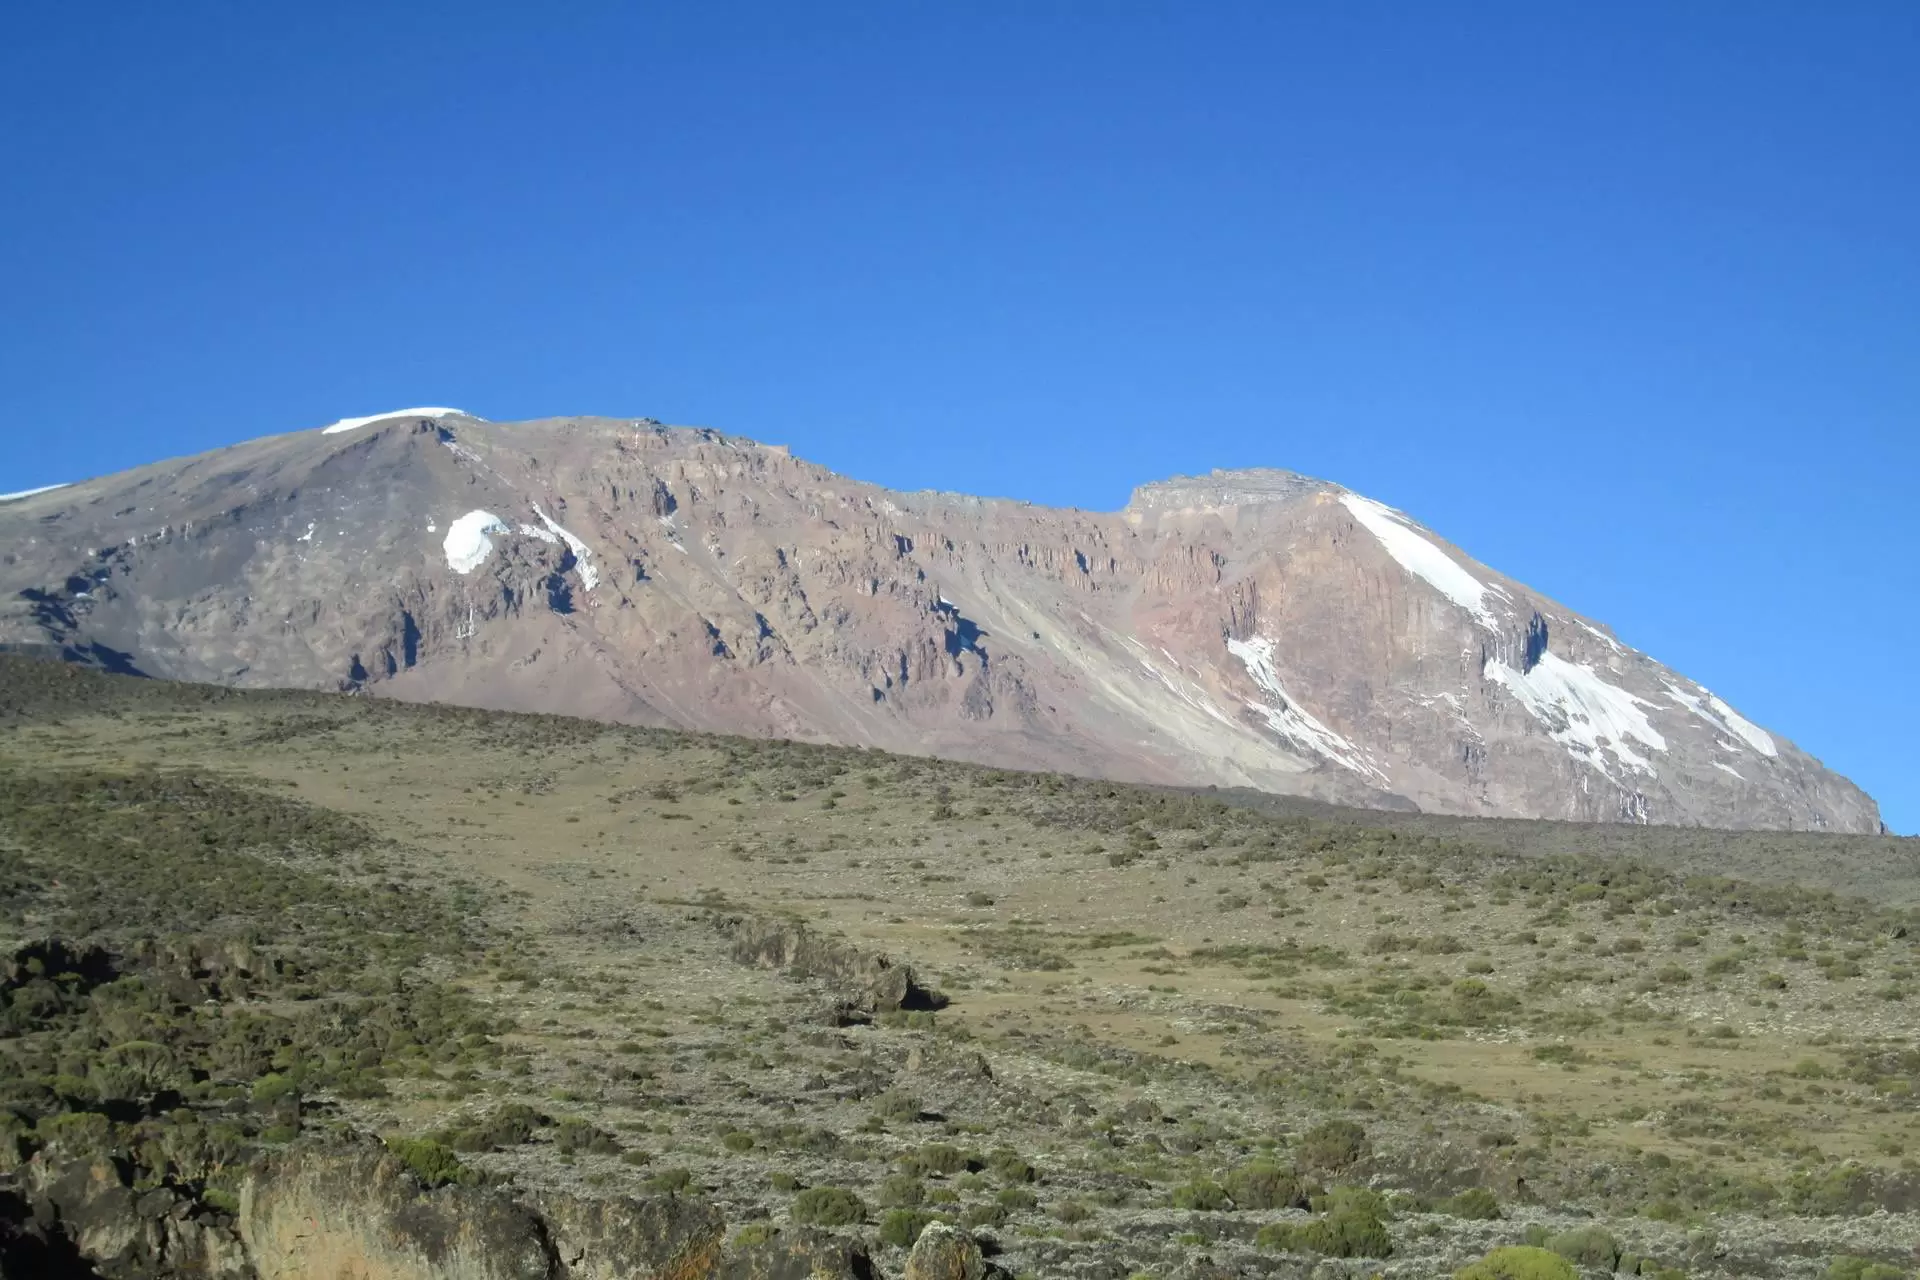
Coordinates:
1181	1027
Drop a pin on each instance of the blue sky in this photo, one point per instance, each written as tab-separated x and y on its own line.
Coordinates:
1624	299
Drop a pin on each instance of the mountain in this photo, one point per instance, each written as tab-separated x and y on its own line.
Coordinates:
1246	628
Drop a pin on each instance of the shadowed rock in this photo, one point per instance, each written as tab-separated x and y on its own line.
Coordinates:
871	982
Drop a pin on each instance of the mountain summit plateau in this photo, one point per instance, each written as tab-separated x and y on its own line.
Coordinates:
1241	629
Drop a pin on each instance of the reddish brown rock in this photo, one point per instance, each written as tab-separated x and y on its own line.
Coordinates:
1252	628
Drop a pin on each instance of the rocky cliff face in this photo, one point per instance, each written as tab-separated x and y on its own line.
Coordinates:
1252	628
351	1211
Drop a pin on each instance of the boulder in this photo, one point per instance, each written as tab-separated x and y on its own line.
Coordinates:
945	1253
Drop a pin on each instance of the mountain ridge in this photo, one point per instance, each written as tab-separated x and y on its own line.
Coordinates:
1251	627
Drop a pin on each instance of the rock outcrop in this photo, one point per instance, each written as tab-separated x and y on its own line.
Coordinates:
863	982
1250	628
350	1210
946	1253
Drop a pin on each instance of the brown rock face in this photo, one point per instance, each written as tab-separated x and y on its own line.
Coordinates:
1253	628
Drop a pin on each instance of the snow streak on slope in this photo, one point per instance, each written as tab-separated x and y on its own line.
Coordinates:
1582	712
1726	720
1290	720
28	493
467	543
583	557
354	424
1420	557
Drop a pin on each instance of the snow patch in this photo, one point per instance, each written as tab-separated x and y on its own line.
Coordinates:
1600	635
1180	688
1725	719
1746	730
28	493
1727	768
308	535
1289	719
467	543
1582	712
535	531
1420	557
583	557
354	424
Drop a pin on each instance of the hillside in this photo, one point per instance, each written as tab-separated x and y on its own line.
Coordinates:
642	1002
1251	629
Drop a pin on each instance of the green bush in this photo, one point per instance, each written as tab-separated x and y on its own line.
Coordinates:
1476	1203
1849	1267
901	1227
739	1141
669	1181
1334	1146
507	1126
274	1088
1262	1184
1352	1227
435	1165
1015	1198
1519	1262
1201	1193
828	1207
753	1234
1587	1246
893	1105
937	1158
1007	1166
579	1135
901	1191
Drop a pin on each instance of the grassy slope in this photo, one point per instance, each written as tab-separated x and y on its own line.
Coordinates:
1166	986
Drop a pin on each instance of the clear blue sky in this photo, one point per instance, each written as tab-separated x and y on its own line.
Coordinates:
1622	298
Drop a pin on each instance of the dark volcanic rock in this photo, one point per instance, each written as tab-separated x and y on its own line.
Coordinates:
871	983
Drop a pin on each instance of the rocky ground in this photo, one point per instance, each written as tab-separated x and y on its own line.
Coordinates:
347	987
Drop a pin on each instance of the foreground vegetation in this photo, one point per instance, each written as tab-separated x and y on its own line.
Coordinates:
1175	1034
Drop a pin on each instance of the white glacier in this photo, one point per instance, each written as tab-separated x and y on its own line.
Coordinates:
1725	718
354	424
467	544
582	555
1582	712
1289	719
1421	558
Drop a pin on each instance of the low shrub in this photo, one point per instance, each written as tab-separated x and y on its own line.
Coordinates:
1353	1226
1519	1262
828	1207
901	1227
1201	1193
1586	1246
1475	1203
1262	1184
1849	1267
1333	1147
431	1162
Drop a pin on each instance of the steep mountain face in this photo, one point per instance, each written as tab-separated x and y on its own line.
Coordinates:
1251	628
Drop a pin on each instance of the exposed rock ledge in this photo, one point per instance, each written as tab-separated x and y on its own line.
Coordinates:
349	1210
